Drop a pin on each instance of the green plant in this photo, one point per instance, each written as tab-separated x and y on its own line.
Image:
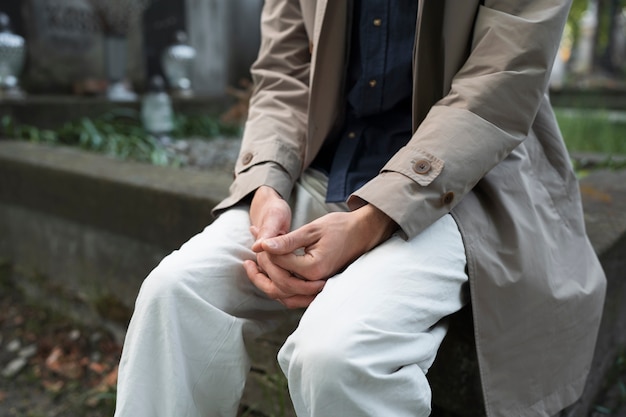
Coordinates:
119	133
203	126
599	131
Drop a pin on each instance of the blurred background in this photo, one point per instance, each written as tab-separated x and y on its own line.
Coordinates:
120	121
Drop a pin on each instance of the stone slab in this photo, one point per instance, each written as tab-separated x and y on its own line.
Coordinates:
156	205
604	201
64	44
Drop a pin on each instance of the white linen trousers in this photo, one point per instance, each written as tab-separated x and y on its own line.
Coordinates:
362	348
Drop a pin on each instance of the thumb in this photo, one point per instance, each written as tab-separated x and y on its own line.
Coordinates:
284	244
272	226
269	229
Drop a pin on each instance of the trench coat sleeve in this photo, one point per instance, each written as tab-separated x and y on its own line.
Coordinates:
488	111
274	135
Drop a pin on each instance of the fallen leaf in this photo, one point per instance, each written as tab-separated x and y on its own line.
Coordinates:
97	367
53	386
588	191
52	361
111	379
68	367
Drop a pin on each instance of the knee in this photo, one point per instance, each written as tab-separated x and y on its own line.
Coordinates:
320	357
166	280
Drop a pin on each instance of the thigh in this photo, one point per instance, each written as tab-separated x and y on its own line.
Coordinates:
394	296
209	267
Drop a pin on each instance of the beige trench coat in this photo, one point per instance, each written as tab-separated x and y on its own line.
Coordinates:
483	123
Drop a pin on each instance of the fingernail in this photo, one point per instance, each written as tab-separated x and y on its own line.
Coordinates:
271	244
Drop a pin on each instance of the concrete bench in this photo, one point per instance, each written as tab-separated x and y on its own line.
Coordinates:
83	230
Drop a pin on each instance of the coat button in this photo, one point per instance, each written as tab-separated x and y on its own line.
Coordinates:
447	198
422	167
246	159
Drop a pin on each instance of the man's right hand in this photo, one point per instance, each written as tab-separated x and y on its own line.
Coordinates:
270	216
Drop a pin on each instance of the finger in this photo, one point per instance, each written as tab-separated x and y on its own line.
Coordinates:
273	225
262	282
290	242
266	231
254	231
285	281
305	266
309	290
297	301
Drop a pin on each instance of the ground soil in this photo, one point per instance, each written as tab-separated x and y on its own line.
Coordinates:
51	366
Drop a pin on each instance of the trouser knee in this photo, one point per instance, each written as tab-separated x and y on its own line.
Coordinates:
165	280
320	359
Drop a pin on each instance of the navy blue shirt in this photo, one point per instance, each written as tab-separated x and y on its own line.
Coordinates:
378	96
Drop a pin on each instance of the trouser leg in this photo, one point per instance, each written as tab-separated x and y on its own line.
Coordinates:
185	352
364	345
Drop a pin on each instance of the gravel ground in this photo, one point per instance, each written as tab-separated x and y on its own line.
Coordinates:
196	153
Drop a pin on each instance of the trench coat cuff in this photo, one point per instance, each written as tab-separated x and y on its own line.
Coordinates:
270	174
412	206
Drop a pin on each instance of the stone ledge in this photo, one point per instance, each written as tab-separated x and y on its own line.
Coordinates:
604	202
158	205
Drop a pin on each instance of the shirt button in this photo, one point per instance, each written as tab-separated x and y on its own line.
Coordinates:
447	198
352	135
422	167
373	83
377	22
246	159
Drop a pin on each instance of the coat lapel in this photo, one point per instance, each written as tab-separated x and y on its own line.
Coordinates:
442	44
327	65
428	58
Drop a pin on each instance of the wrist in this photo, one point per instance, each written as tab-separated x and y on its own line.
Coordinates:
265	193
377	225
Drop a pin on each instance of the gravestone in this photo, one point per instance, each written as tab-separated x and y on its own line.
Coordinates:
13	8
244	44
208	22
64	45
161	20
225	34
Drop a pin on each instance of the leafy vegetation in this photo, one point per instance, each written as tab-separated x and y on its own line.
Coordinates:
598	131
119	133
